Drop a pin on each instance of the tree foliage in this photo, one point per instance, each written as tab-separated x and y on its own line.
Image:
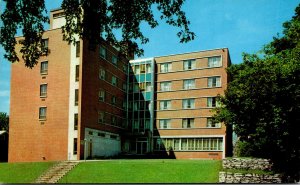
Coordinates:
262	101
93	20
4	120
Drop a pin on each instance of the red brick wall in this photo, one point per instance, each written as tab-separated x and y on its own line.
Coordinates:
31	139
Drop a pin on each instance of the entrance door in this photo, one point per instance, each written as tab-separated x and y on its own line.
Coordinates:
141	147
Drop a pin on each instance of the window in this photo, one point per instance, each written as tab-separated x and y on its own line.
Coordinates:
189	84
124	104
44	48
76	97
42	113
75	146
136	87
124	87
188	123
165	86
214	61
113	120
148	86
77	73
113	100
189	64
142	86
100	117
164	123
77	48
44	67
184	144
102	52
43	90
142	68
114	60
101	95
114	80
166	67
102	74
75	121
125	68
212	102
188	103
148	68
165	104
212	124
214	81
101	134
137	69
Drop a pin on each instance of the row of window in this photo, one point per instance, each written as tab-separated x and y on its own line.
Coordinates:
114	58
102	134
187	144
187	103
215	61
191	83
141	68
114	80
114	100
109	119
188	123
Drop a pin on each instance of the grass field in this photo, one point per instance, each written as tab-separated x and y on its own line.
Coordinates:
145	171
22	172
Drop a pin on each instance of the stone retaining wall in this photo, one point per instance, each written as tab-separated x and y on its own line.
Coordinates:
247	163
228	177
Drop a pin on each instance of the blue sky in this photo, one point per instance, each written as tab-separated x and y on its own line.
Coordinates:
240	25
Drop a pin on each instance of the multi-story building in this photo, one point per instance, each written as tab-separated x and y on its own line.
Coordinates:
78	103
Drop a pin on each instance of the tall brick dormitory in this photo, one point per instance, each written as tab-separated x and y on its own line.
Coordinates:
77	103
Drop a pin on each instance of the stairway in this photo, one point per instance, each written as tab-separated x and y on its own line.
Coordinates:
55	173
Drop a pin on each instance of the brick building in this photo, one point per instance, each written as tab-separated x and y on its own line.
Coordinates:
77	103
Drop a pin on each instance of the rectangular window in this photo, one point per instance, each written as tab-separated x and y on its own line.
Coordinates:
124	104
102	74
166	67
165	86
214	81
189	84
45	45
189	64
114	60
124	86
136	69
142	86
100	117
136	87
165	104
102	95
148	86
42	113
212	124
184	144
44	67
77	73
212	102
75	146
43	90
188	103
114	80
75	121
214	61
143	68
188	123
102	52
164	123
125	68
113	120
148	68
77	48
113	100
76	97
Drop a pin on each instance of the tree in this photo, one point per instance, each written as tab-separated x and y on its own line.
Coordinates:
262	102
93	20
4	120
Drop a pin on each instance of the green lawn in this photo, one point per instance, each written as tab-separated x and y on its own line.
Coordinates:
145	171
22	172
